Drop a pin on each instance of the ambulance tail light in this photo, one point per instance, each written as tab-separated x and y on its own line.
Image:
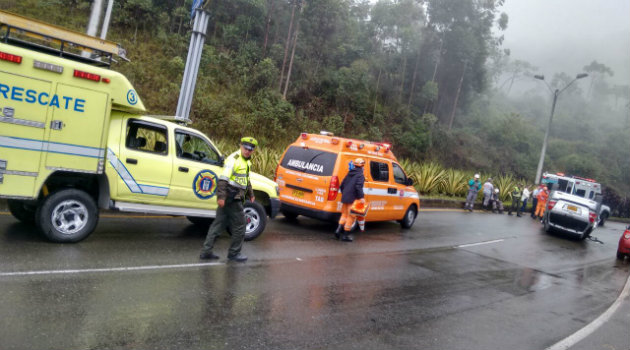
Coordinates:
86	75
10	58
551	203
333	188
592	216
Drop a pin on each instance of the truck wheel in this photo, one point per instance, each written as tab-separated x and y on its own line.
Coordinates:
620	256
410	217
67	216
255	220
22	211
602	219
200	221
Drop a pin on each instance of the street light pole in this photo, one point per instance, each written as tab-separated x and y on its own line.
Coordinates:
556	93
544	146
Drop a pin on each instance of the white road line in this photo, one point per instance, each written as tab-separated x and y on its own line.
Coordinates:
479	243
576	337
111	269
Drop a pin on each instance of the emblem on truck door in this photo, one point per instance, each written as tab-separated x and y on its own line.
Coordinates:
205	184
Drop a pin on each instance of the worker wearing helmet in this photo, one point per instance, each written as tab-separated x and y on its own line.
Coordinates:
351	189
232	189
474	185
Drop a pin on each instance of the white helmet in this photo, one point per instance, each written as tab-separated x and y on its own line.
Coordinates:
476	176
496	190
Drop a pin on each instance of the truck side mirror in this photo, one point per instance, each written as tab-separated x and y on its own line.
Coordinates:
221	160
409	182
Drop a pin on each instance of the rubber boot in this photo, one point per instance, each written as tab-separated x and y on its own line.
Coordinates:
347	237
338	231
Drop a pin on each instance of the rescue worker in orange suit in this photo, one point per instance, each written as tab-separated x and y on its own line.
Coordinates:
351	189
542	197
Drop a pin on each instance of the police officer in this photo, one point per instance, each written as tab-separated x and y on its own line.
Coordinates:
233	186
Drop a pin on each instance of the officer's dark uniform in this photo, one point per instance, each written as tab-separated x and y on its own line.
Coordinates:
516	201
233	187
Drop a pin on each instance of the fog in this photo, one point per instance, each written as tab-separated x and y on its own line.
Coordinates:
566	35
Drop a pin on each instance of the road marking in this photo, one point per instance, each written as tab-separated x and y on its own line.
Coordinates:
479	243
111	269
591	327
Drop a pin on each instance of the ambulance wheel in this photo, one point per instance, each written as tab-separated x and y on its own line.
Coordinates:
200	221
410	217
22	211
255	220
67	216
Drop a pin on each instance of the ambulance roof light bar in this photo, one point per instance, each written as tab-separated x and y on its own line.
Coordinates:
65	38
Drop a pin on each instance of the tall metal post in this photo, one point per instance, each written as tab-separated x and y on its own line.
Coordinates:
544	146
189	80
108	15
95	17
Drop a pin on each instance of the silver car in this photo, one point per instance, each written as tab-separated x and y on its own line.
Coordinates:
571	214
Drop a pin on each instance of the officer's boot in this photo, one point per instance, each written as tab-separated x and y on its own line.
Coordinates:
347	237
338	231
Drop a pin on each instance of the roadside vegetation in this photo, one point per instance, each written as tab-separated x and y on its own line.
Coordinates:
430	77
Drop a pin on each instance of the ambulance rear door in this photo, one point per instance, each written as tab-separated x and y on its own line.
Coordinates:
77	128
307	176
22	127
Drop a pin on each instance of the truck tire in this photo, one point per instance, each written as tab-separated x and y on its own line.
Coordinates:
410	217
67	216
620	256
200	221
255	220
22	211
603	218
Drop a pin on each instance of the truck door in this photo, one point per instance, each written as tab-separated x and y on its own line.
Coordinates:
77	128
22	126
143	165
196	171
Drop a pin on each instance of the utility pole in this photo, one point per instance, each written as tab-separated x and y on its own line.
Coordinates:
553	108
189	80
108	15
95	17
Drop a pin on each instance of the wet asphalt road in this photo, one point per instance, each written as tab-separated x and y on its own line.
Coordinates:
456	280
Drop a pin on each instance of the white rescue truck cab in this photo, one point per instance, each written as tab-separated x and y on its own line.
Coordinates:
73	139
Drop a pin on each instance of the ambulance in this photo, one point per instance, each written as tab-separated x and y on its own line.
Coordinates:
312	168
74	139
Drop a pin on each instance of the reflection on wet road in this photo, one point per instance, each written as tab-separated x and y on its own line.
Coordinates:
432	287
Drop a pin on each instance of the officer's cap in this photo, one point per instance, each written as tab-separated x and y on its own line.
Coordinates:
249	143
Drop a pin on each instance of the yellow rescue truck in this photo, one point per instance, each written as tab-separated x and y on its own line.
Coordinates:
73	139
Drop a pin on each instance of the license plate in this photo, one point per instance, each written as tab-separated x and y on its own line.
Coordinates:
571	207
298	193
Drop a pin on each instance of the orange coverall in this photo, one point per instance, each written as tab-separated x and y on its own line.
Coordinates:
542	203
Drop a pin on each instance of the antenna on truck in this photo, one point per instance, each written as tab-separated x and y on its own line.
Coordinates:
58	41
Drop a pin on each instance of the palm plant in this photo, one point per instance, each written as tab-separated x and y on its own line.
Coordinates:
430	176
455	183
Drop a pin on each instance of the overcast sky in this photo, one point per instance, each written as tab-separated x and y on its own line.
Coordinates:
565	35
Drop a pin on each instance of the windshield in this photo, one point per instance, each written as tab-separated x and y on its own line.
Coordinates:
310	161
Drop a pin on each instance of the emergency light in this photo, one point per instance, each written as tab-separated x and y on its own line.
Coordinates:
11	58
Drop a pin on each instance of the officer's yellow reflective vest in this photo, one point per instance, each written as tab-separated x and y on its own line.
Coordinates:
236	175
